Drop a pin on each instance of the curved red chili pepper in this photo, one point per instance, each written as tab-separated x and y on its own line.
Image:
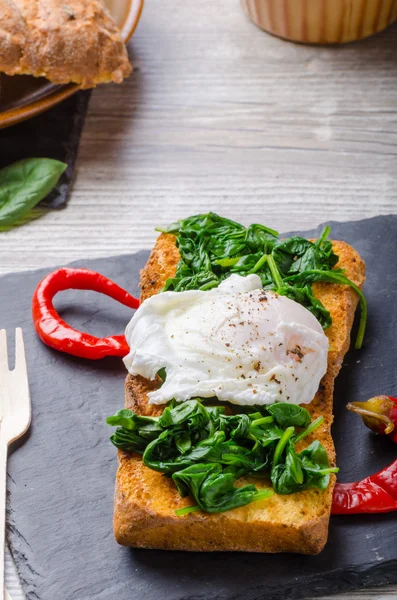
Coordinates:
374	494
56	333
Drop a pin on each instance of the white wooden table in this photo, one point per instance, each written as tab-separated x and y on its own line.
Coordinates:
220	116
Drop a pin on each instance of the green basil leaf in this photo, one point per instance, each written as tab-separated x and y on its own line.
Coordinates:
24	183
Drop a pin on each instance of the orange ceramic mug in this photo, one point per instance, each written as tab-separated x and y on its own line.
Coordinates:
322	21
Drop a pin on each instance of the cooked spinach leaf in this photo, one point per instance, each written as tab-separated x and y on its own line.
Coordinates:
286	414
206	450
133	430
213	488
310	468
212	247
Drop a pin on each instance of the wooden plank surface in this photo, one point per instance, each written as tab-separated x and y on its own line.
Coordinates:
220	116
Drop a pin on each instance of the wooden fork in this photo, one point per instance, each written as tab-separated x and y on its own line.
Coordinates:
15	418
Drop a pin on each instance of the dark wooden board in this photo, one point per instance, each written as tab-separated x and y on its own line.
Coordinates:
61	479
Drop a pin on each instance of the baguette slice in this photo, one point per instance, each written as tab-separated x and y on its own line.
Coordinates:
145	501
62	40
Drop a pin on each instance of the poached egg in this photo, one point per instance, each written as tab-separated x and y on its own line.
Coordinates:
237	342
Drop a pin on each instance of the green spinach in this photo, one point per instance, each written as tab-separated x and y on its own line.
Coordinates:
24	183
213	488
286	414
212	247
206	451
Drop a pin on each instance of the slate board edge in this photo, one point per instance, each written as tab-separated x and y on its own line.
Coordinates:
337	581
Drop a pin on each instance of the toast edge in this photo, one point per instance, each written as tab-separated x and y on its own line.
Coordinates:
134	526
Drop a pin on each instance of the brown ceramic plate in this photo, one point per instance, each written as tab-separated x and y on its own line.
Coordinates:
23	96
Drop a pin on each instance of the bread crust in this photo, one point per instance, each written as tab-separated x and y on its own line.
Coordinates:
73	41
145	501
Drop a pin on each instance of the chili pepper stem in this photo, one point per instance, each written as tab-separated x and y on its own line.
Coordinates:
369	413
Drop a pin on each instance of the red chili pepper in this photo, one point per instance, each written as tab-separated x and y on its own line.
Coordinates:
375	494
379	414
56	333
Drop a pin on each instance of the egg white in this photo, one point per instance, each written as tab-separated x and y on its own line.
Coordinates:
236	342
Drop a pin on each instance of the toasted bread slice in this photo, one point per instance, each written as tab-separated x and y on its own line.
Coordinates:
145	501
74	41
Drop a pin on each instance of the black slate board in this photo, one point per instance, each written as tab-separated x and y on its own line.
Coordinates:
53	134
61	480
